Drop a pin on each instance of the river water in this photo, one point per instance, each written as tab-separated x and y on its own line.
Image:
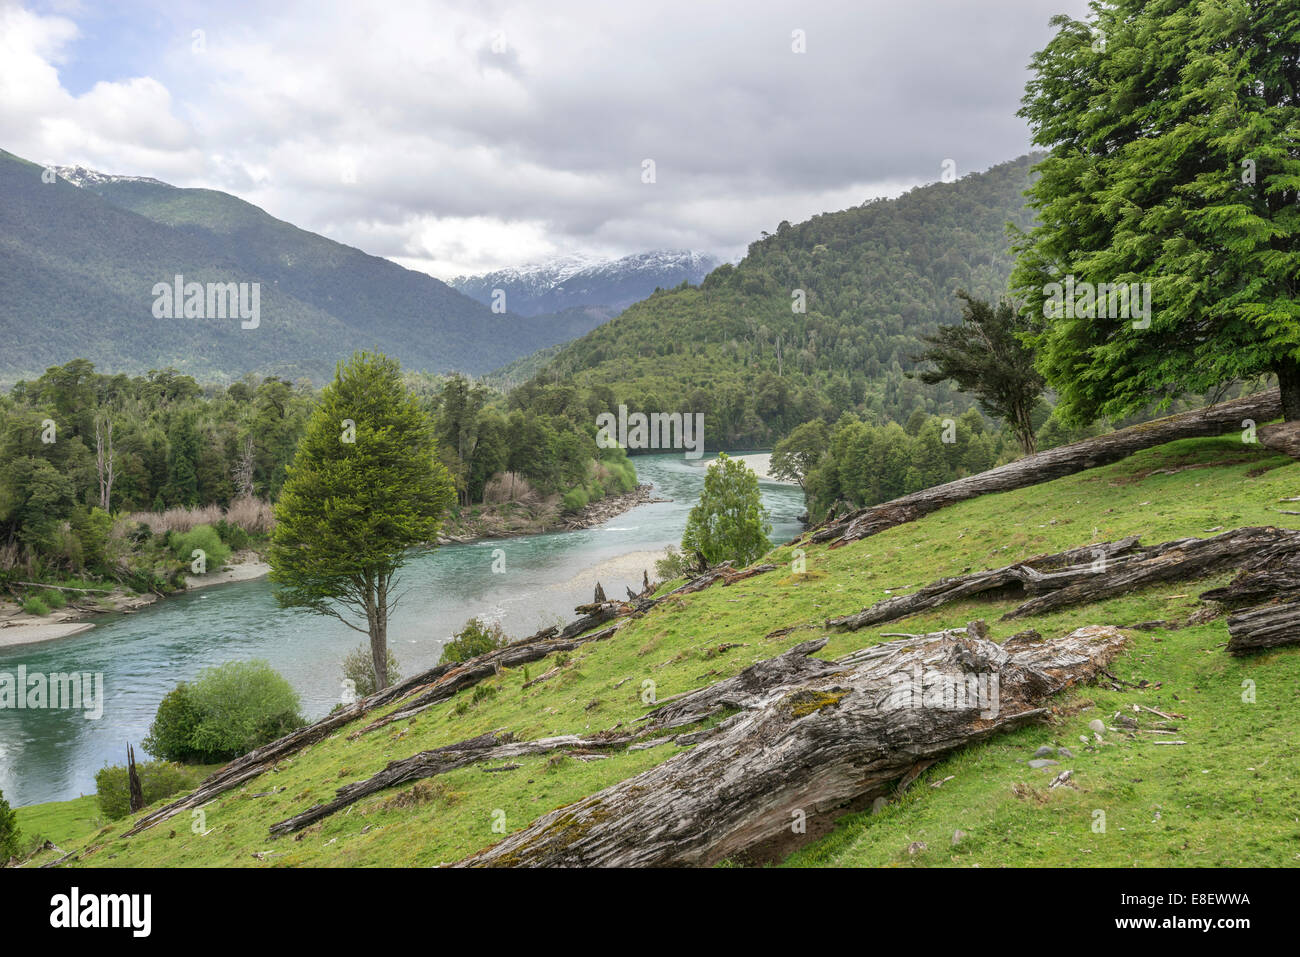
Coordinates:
49	755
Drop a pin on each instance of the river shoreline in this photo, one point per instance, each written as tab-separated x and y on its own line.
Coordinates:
514	521
19	628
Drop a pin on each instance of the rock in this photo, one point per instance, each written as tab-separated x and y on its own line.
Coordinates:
957	836
1045	751
1097	725
916	847
1043	763
878	805
1065	753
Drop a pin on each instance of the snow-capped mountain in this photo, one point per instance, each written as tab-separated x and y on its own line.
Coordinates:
81	176
587	281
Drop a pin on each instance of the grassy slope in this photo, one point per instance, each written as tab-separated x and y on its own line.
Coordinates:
1230	796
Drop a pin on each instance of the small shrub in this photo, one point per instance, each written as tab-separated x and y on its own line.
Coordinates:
34	606
575	499
227	711
9	833
53	598
673	565
476	638
359	667
158	780
204	537
232	535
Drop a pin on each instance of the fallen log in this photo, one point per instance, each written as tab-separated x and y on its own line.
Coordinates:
1282	437
812	741
484	666
495	745
1173	561
1268	626
1053	464
947	590
1271	554
431	685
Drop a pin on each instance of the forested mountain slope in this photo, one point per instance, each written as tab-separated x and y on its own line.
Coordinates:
871	280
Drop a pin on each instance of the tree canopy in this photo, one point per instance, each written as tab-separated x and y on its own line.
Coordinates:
1174	162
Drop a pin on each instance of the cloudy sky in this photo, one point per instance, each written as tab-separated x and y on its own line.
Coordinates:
458	137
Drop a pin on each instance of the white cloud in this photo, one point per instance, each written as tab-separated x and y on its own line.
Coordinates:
463	136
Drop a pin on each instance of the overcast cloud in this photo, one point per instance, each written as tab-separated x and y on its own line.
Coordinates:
458	137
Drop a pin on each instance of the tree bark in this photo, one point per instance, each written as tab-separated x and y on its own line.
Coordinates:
133	777
1288	380
1052	464
1268	626
811	740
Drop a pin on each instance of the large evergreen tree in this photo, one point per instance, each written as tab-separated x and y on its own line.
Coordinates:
1174	130
364	489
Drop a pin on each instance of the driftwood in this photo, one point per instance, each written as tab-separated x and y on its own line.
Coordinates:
1095	572
812	740
1053	464
1268	626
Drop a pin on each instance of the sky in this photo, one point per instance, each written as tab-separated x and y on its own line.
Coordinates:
461	136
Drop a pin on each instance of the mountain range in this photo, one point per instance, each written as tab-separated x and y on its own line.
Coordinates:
81	253
576	281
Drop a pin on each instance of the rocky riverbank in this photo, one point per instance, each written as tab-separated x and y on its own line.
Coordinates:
512	519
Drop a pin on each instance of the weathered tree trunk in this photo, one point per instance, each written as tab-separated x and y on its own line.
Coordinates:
1172	561
811	739
1105	570
1288	380
493	746
947	590
133	777
1268	626
1053	464
1282	437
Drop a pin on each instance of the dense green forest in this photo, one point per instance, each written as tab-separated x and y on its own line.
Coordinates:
101	471
870	281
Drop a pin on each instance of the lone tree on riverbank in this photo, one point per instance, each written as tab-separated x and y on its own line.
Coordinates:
1173	162
729	523
364	489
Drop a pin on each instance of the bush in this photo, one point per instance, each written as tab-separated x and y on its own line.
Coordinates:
233	535
171	736
673	565
9	832
158	780
476	638
52	598
34	606
575	499
203	537
359	668
227	711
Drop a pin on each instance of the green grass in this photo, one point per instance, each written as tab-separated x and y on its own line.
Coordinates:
1230	796
59	821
